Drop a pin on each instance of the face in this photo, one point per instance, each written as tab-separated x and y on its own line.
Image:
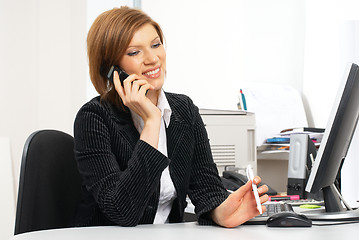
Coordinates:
146	56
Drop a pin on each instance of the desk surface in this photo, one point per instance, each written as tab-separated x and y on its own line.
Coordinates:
187	231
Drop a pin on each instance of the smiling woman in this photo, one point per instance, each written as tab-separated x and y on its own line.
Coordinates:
141	150
146	57
107	45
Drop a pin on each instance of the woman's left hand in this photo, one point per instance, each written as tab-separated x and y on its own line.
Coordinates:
240	206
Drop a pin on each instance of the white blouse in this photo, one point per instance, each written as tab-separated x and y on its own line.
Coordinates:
167	189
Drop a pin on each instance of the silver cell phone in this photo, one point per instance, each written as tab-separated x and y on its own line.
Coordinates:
122	74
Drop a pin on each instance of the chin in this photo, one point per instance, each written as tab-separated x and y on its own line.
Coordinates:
157	84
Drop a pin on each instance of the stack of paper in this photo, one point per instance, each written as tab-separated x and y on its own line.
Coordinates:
281	141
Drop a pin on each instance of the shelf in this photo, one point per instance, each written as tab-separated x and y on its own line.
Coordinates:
273	155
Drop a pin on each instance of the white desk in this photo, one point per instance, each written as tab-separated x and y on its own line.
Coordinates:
189	231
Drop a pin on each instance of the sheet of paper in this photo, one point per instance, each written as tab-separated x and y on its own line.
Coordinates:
276	107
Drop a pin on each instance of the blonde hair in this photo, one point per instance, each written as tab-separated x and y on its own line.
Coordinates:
107	41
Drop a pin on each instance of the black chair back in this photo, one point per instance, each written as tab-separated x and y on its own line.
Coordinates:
49	187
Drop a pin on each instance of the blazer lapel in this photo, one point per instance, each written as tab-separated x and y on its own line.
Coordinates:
175	133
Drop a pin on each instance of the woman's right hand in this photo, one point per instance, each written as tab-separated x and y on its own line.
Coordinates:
133	95
240	206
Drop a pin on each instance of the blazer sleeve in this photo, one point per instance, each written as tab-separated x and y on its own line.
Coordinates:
206	188
122	195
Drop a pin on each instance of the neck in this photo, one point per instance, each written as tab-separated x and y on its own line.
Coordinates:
153	96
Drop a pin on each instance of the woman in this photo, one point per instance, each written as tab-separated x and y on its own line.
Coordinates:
141	150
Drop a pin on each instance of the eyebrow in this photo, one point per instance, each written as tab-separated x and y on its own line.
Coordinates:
141	45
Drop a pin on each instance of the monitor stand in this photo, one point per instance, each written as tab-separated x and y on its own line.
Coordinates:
336	209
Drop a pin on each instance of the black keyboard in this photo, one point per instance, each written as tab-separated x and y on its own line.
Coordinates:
272	208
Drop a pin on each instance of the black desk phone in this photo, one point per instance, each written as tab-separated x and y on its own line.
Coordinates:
233	180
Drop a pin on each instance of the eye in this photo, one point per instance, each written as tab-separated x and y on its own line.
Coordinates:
133	53
156	45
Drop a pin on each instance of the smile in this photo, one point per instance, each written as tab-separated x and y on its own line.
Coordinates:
153	72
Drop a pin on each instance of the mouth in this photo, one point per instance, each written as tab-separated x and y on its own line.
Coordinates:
153	73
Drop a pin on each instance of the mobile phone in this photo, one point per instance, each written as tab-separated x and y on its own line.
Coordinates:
122	74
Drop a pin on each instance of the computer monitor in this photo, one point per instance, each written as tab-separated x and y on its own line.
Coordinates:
334	147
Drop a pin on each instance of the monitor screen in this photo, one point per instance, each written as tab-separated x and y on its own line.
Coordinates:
334	147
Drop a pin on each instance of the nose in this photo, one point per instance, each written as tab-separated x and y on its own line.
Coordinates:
151	58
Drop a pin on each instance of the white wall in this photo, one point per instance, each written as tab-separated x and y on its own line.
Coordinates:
332	34
42	70
42	65
214	47
7	206
95	8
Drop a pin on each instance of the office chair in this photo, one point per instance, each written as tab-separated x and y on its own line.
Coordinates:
49	187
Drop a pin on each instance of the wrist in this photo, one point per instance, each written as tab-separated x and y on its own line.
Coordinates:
217	216
151	130
214	216
153	121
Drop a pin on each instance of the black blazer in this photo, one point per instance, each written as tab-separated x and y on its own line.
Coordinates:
121	173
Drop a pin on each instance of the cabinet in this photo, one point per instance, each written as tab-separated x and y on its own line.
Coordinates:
232	138
273	169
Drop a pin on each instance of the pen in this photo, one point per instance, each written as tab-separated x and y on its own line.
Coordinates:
254	187
240	102
243	100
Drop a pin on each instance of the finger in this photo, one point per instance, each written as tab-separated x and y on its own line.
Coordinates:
264	198
138	84
262	189
141	87
145	88
257	180
264	209
240	192
127	83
